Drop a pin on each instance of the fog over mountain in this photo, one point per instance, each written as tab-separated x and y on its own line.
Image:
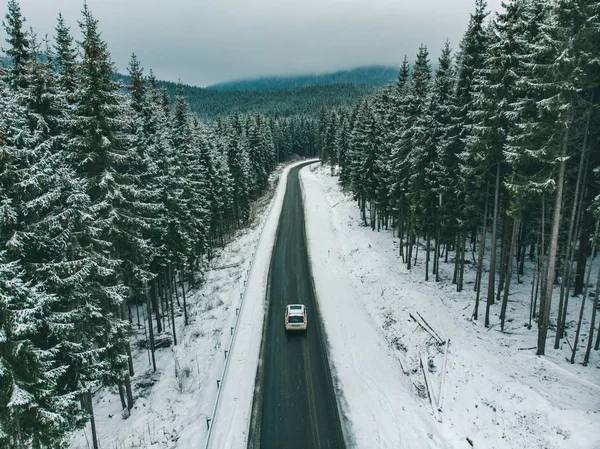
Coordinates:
212	41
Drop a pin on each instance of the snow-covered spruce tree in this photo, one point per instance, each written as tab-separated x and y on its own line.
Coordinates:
194	186
51	209
18	50
396	181
268	143
65	58
97	151
256	154
204	148
140	210
441	102
365	142
39	198
32	414
384	110
454	186
237	160
419	154
342	142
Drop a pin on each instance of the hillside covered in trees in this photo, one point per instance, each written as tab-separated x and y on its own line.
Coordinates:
378	76
210	104
497	149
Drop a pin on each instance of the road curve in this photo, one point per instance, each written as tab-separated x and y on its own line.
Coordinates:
294	404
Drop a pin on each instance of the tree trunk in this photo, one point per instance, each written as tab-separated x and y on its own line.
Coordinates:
173	318
129	392
155	304
570	251
503	254
173	283
416	251
456	257
437	254
121	394
427	249
410	243
90	409
508	274
401	235
129	358
583	252
479	273
150	331
549	282
534	284
584	297
520	251
586	358
182	280
463	254
492	275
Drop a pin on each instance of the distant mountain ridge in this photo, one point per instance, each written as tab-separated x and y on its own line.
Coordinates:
377	75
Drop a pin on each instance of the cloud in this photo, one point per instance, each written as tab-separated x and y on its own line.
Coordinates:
208	41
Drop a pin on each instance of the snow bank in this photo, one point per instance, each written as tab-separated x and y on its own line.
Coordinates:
498	393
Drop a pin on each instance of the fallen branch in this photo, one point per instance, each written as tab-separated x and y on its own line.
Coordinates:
526	349
430	332
432	329
404	370
429	386
443	378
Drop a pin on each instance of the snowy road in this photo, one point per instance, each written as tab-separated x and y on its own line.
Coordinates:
296	404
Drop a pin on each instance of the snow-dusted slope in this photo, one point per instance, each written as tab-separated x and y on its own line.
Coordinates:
173	404
497	393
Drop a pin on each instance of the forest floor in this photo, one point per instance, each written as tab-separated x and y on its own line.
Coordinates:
173	403
497	393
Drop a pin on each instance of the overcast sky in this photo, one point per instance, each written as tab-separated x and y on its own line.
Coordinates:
209	41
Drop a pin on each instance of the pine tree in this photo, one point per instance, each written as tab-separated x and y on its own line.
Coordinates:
32	414
97	149
237	160
65	58
19	45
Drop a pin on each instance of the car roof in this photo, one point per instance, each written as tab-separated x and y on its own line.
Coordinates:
296	308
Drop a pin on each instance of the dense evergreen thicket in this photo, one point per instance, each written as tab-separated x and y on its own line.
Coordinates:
210	104
110	195
501	142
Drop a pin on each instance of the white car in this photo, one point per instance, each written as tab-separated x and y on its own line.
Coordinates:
295	317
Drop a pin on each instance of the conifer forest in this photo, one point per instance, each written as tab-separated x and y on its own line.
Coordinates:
115	189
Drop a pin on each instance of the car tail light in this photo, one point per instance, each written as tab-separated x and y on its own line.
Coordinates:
304	319
287	319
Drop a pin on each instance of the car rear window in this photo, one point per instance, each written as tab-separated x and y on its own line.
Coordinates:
296	319
295	307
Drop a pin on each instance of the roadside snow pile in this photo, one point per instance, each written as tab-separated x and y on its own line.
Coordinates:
172	404
382	320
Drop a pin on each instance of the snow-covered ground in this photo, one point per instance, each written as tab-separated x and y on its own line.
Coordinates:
497	392
173	404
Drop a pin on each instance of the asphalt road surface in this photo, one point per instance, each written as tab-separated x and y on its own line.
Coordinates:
294	405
